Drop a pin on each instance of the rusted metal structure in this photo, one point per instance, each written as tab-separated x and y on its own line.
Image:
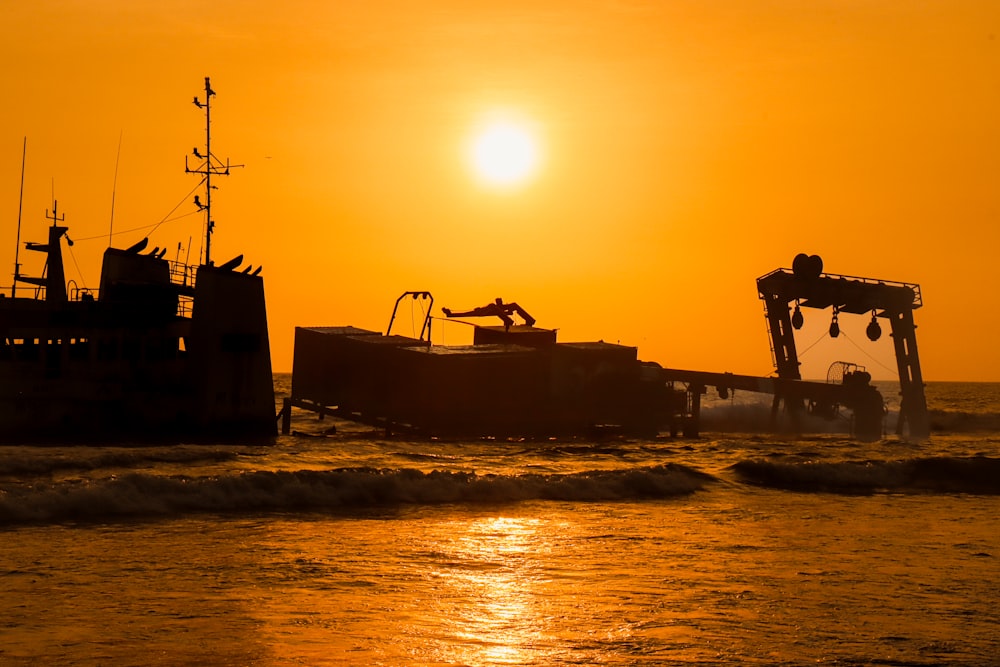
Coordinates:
853	392
514	380
785	293
161	349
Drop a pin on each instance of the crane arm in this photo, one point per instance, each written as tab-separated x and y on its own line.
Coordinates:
496	309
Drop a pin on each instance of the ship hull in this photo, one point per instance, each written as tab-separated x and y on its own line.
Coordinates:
493	388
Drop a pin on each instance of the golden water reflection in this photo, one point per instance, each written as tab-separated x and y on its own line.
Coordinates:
492	582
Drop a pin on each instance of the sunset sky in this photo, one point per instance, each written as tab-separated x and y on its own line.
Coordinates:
679	150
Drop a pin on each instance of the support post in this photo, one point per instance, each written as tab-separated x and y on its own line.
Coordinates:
779	325
912	402
692	422
286	416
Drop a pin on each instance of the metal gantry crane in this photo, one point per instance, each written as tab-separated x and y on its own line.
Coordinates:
806	286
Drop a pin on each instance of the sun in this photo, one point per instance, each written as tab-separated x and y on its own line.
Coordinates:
504	153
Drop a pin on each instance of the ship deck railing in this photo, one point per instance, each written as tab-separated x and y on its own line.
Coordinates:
181	275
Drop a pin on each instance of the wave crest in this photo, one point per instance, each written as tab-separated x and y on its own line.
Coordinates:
977	475
20	462
959	421
146	495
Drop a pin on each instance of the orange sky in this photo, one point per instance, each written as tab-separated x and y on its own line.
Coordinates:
688	148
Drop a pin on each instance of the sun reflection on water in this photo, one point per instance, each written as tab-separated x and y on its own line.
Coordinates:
492	567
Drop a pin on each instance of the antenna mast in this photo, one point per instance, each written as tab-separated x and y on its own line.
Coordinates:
210	166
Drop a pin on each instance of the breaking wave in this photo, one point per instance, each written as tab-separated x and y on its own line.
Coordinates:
34	461
138	495
961	421
975	475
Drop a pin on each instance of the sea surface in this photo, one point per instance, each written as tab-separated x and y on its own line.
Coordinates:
349	547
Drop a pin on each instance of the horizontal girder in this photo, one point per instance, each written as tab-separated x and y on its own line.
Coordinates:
848	294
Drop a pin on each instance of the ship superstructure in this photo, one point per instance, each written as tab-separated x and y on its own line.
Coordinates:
161	350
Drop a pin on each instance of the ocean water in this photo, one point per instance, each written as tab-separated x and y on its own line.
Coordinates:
352	548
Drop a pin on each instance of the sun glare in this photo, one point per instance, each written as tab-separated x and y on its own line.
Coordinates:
504	154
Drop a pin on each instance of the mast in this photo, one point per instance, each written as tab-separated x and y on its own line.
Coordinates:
53	277
209	166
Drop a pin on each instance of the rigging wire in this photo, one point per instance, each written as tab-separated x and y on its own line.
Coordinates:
867	354
114	187
136	229
153	228
414	304
448	320
854	343
77	265
805	351
821	337
20	202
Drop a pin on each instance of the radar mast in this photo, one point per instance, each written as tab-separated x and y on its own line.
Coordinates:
208	167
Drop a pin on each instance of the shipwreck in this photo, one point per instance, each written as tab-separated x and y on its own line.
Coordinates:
517	380
161	349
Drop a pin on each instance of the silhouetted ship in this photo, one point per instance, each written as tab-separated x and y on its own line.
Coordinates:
160	350
514	380
517	380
